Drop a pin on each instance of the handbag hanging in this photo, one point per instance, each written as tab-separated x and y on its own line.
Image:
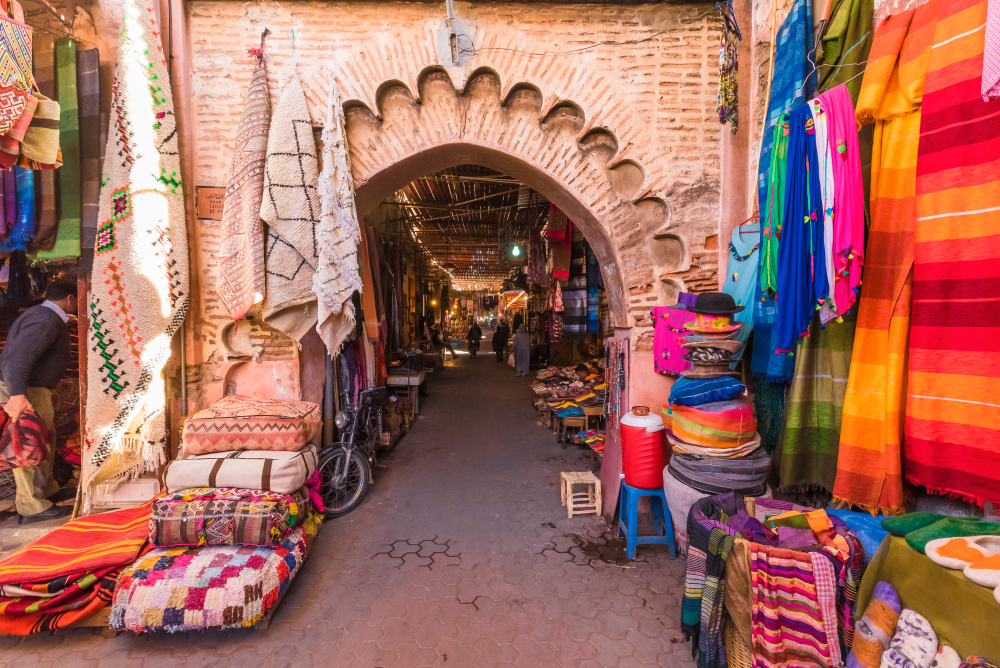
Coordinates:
16	80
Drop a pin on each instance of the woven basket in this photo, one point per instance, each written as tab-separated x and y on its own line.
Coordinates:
738	655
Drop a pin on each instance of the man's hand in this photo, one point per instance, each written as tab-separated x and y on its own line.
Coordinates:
16	405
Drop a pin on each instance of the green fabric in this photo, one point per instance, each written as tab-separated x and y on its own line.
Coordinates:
775	206
900	525
847	38
810	439
67	245
963	614
951	527
768	404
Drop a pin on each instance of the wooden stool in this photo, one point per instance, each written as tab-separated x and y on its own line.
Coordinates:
579	423
590	412
587	502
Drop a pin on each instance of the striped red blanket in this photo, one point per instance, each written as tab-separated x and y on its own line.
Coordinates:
952	437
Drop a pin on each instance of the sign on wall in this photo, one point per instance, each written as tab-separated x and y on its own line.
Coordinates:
208	202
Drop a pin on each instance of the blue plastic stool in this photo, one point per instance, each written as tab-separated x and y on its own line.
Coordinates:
628	519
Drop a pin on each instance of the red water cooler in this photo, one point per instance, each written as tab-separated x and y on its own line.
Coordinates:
644	449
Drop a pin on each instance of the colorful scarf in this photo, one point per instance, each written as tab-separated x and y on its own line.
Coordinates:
140	279
953	380
792	84
338	234
67	243
791	609
241	254
848	201
773	213
802	286
811	433
825	162
89	91
845	44
869	471
23	199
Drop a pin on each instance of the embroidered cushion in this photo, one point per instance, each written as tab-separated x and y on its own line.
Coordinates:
243	423
225	516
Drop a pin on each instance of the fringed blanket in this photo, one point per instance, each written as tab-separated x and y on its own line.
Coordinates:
811	434
241	255
953	380
869	471
70	573
338	233
140	295
291	209
176	589
793	609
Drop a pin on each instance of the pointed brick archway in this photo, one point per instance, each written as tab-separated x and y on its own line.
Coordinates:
549	148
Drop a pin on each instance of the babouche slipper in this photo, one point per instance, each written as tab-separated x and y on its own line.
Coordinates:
957	553
874	632
985	572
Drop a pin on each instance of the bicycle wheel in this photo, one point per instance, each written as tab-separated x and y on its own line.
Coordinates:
341	501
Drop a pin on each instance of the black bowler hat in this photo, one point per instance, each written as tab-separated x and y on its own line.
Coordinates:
715	303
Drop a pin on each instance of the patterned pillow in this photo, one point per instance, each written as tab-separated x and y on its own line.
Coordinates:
244	423
225	516
694	392
212	587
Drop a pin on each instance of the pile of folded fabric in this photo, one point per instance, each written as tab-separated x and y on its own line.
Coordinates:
70	573
745	556
593	438
235	523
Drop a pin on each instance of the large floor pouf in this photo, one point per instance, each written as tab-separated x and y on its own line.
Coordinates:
195	588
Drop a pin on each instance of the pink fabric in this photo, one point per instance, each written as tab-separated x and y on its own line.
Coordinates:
826	594
849	193
991	55
667	344
314	485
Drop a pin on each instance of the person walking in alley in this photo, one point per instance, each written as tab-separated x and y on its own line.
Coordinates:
32	362
522	351
500	335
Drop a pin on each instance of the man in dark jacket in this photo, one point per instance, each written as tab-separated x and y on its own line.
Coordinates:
32	362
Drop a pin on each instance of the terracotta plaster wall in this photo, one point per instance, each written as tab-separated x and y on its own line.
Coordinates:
625	134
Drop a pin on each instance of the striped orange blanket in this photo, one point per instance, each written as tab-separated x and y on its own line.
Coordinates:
70	573
952	408
869	469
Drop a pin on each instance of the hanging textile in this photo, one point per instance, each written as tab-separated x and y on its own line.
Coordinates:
802	285
593	291
88	90
843	49
741	278
727	101
824	159
338	234
561	250
241	281
792	83
67	241
953	375
991	54
140	276
869	471
772	214
669	330
848	200
887	8
369	310
44	55
810	437
290	206
536	255
21	231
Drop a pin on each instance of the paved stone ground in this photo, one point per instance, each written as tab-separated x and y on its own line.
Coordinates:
461	556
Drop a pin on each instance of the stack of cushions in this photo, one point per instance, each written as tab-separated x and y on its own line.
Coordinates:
231	531
713	434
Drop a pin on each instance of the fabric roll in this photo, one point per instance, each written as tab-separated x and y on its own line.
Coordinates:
810	439
241	282
802	286
67	243
869	468
845	44
792	84
88	64
23	229
291	209
953	375
710	475
46	220
43	57
722	424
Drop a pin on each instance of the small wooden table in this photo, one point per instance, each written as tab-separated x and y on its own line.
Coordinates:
412	383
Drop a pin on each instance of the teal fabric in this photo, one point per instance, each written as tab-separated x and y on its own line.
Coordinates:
741	276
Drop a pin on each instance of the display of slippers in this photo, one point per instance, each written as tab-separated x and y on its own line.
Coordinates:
985	572
946	657
913	645
957	553
873	634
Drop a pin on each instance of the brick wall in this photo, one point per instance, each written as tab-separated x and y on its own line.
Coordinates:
628	131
